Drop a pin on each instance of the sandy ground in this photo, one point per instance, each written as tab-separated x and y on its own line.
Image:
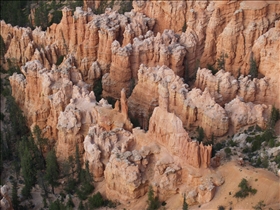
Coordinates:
266	183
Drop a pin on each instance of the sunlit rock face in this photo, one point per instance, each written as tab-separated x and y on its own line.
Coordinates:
165	89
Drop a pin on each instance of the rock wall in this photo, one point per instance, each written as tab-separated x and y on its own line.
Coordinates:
99	145
156	158
164	49
167	14
83	34
126	184
243	32
62	106
80	114
266	50
163	88
203	111
214	28
42	93
243	114
171	134
245	100
224	87
120	72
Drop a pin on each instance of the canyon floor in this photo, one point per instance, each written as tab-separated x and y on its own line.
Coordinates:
266	183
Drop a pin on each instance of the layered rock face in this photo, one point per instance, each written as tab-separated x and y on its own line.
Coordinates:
245	100
120	72
164	49
224	87
174	163
243	114
45	46
198	108
167	14
215	28
98	145
173	136
128	183
244	32
85	35
156	157
164	88
82	113
90	38
266	50
62	106
35	102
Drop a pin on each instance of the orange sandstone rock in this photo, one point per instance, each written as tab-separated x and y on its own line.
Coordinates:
164	88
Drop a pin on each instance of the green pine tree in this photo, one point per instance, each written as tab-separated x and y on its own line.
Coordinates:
37	159
13	12
43	183
221	61
45	202
37	132
28	153
260	205
97	89
2	50
52	170
153	202
95	201
274	117
68	171
56	13
253	68
86	183
16	165
184	28
41	15
28	172
78	162
17	119
41	142
88	175
185	205
201	134
58	205
70	203
81	206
